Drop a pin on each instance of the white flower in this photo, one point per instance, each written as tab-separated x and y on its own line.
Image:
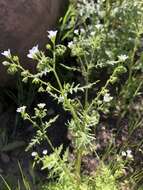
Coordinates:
70	44
129	154
107	97
123	153
21	109
82	31
123	57
32	52
98	26
92	33
7	53
52	34
76	31
45	152
41	105
33	154
61	99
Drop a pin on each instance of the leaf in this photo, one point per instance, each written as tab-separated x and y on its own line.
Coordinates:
13	145
70	68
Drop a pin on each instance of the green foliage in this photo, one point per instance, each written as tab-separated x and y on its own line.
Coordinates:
103	179
100	37
25	182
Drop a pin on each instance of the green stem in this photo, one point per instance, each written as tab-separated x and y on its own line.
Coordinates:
99	94
86	92
60	159
54	69
80	152
58	80
132	58
49	142
74	114
86	81
78	164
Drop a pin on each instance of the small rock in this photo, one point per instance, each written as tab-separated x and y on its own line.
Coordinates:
22	26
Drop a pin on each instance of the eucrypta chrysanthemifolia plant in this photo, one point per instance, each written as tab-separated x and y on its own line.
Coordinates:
96	43
84	114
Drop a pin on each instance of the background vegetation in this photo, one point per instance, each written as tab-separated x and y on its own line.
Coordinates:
91	70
